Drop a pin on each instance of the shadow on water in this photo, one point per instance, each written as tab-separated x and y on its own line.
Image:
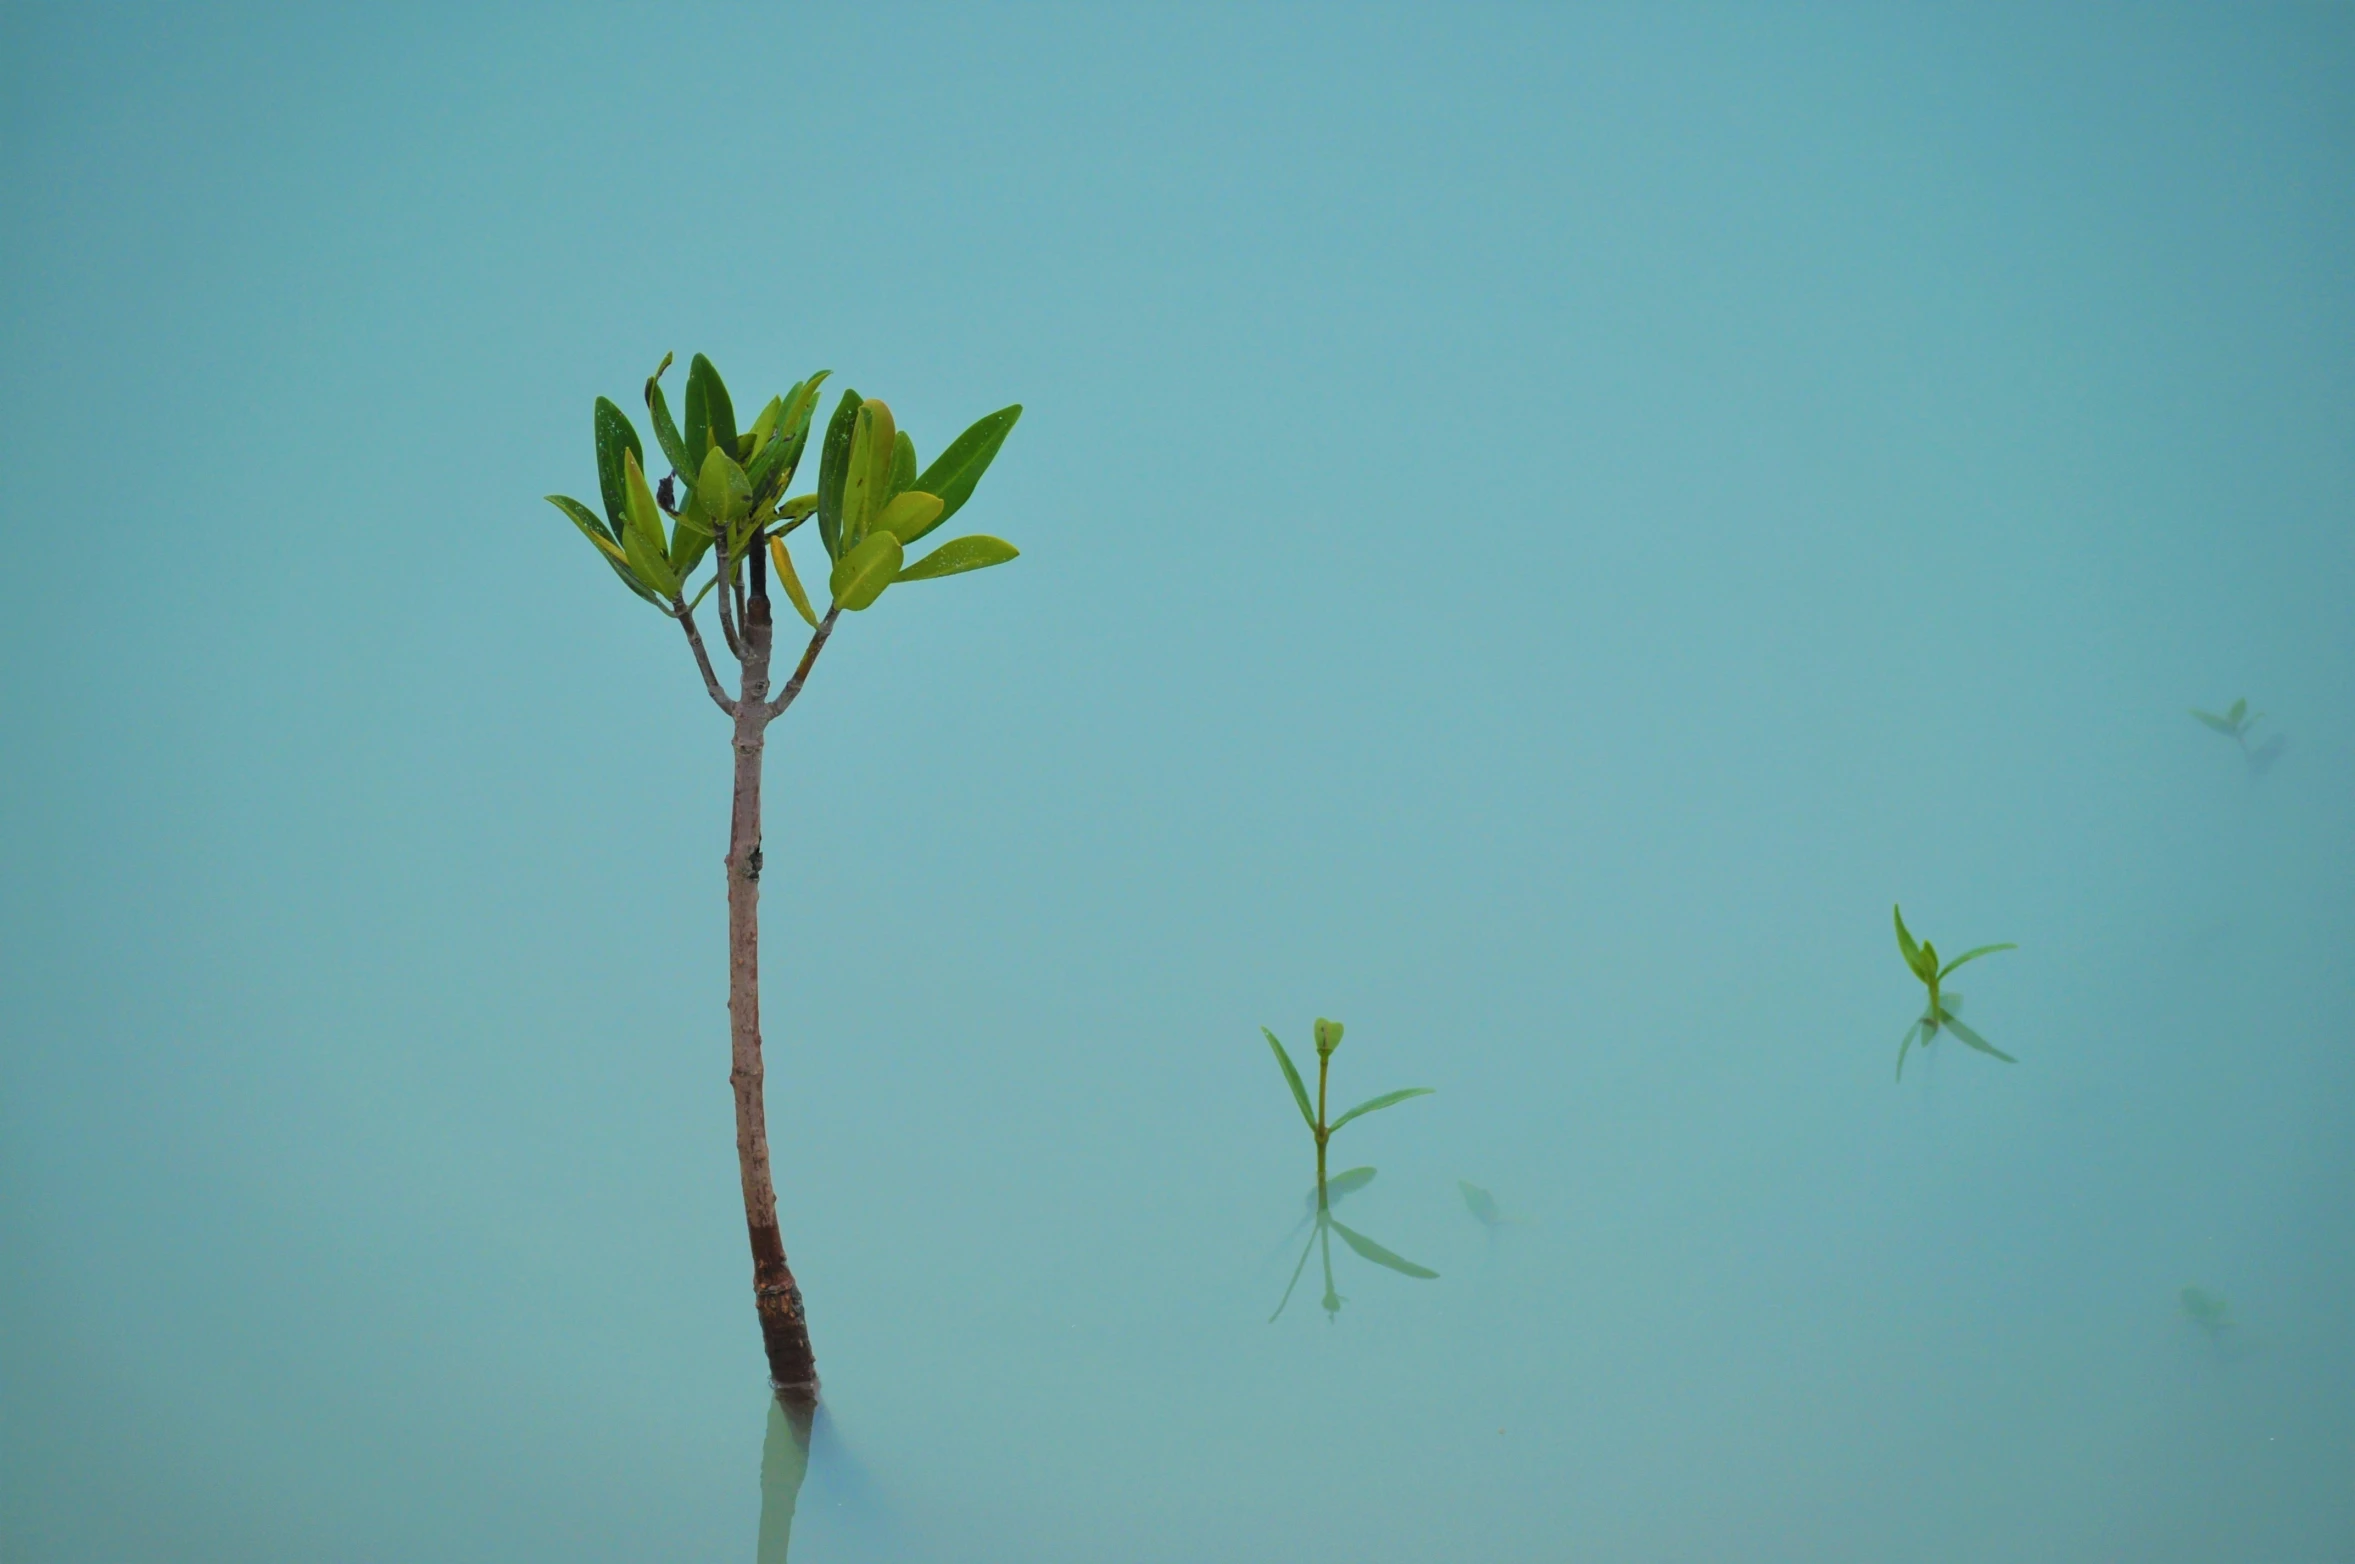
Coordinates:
809	1474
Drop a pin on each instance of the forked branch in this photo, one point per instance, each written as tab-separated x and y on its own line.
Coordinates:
809	660
711	681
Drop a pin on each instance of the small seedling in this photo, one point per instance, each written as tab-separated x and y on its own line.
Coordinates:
2236	724
1328	1038
1922	960
1328	1035
2208	1310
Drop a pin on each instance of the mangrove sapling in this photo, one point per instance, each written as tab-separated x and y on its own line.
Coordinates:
730	506
1328	1038
1922	960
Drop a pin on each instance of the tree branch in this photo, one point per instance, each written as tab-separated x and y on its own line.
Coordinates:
711	681
808	660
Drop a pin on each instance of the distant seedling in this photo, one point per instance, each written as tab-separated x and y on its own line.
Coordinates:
2208	1310
2236	724
1328	1038
1922	960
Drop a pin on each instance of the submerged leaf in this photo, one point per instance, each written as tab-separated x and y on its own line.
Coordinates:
1903	1045
2223	725
1341	1184
1381	1256
1480	1203
1299	1091
1387	1099
1974	1039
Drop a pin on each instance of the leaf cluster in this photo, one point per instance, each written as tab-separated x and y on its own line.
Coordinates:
871	501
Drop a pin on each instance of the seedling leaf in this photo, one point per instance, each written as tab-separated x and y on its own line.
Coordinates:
1906	946
1972	955
1308	1115
1387	1099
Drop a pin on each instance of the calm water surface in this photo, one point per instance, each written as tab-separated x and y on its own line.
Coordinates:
1537	531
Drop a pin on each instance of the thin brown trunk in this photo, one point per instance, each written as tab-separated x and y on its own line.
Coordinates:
784	1329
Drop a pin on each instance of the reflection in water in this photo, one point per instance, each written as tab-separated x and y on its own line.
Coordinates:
839	1504
1321	1241
1483	1206
784	1462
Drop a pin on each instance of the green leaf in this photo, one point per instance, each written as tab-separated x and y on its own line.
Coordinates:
1328	1036
2240	709
649	565
1971	955
976	551
587	520
711	419
1387	1099
1348	1183
1903	1046
614	436
909	515
861	575
1905	945
642	518
666	433
766	424
833	468
1974	1039
956	470
688	546
1299	1092
1381	1256
723	489
790	580
869	472
903	467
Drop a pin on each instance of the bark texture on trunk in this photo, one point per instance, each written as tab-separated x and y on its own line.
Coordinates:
784	1328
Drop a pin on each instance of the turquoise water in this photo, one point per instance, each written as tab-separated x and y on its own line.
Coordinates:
1537	531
